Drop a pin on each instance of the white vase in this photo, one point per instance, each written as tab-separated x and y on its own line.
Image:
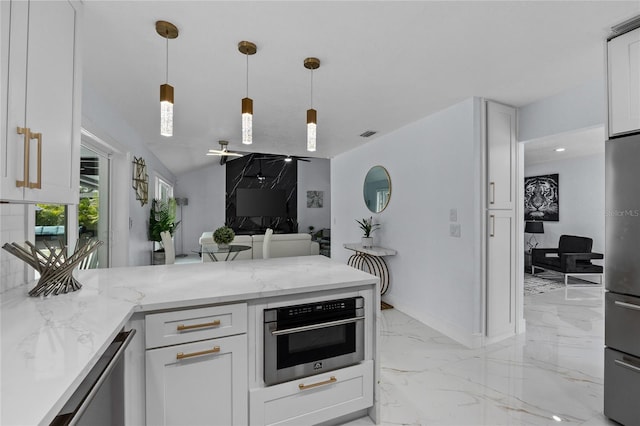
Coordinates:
367	242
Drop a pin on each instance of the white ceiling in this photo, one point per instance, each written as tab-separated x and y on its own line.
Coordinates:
384	64
576	144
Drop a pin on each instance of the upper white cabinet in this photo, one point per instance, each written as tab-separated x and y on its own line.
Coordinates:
40	140
624	83
501	156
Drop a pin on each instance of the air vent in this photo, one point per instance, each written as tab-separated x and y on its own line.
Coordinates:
368	133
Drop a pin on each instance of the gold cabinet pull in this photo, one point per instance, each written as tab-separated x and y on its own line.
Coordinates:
27	137
493	226
183	327
213	350
493	192
332	379
38	183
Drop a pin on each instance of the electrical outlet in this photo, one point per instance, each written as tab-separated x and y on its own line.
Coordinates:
454	230
453	215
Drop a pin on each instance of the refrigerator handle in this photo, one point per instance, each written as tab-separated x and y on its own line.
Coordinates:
629	366
627	305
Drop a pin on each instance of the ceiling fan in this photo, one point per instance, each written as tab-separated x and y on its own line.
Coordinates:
282	157
223	152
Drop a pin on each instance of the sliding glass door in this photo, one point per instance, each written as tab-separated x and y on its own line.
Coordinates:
93	206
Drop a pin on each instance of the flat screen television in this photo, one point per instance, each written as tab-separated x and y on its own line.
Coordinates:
261	202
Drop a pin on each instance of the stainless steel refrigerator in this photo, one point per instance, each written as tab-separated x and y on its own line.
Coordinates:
622	277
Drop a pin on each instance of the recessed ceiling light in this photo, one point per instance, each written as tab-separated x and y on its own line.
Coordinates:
559	149
556	418
288	159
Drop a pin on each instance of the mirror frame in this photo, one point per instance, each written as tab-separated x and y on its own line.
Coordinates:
386	172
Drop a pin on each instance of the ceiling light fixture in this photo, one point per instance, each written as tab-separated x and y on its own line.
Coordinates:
312	114
247	48
166	30
288	159
559	150
223	152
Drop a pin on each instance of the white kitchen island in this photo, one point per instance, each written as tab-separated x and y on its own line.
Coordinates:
48	345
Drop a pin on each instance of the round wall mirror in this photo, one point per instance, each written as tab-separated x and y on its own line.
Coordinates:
377	189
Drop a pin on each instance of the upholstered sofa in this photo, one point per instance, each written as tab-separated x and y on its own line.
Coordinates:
572	257
282	245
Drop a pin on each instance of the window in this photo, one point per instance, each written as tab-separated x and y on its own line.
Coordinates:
164	190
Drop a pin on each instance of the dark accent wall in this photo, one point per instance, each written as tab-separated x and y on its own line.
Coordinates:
244	172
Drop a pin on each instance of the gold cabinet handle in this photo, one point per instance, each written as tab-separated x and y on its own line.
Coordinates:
213	350
183	327
332	379
27	137
38	183
493	226
493	192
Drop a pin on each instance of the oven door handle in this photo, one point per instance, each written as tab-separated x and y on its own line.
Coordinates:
315	326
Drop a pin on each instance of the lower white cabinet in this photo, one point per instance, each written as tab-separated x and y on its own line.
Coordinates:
198	383
500	274
314	399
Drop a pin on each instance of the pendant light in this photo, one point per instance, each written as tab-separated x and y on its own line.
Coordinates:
312	114
166	30
247	48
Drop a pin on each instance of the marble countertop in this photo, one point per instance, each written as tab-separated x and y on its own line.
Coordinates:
48	345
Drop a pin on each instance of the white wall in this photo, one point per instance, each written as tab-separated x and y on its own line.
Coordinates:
578	108
581	193
314	176
104	121
434	166
205	189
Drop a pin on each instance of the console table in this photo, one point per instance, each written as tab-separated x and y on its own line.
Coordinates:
371	259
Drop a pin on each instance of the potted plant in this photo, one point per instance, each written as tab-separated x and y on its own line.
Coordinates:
223	236
367	227
162	217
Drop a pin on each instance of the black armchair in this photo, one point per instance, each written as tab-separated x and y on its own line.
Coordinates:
572	257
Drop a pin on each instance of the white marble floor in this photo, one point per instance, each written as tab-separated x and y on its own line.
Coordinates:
553	373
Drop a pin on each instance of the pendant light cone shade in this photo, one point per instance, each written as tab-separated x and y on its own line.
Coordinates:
247	121
312	114
247	48
312	120
166	110
167	31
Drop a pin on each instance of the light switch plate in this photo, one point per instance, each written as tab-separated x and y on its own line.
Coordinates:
454	230
453	215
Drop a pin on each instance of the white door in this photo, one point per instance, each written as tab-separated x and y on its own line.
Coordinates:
207	387
624	83
501	156
501	277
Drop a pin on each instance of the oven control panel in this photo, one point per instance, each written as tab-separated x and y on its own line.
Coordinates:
313	310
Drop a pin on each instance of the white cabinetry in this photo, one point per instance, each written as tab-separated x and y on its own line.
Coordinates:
500	273
201	382
40	111
501	156
314	399
623	54
501	147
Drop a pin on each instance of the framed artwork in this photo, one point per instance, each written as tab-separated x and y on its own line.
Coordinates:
140	180
315	199
541	198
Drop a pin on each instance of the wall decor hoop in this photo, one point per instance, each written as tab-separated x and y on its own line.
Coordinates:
140	180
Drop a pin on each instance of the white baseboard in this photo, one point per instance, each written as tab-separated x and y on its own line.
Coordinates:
470	340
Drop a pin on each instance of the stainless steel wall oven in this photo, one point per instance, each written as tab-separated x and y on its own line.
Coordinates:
303	340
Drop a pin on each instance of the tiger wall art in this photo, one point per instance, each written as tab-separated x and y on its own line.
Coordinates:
541	198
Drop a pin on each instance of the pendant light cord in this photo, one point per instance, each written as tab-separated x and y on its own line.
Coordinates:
167	65
247	56
312	88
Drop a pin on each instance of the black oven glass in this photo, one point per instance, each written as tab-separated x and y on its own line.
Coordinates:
311	345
